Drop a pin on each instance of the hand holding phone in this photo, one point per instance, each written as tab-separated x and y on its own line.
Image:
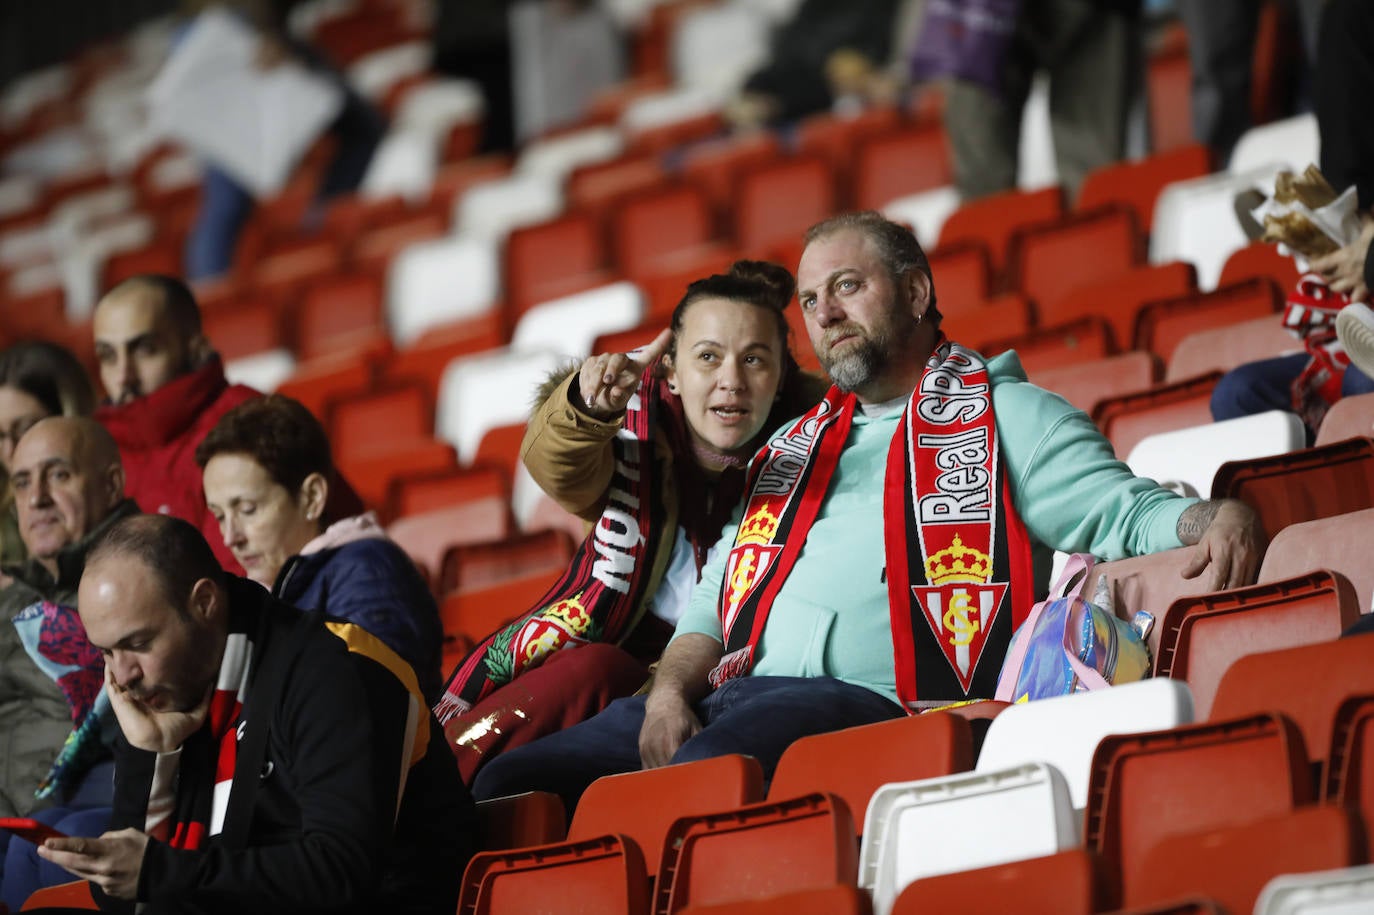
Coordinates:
29	829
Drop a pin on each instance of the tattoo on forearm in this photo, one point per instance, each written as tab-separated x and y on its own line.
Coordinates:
1195	519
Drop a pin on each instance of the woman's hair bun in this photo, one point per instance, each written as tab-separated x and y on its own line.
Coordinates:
776	283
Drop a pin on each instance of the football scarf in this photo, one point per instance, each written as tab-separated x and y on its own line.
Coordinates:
209	756
601	594
958	557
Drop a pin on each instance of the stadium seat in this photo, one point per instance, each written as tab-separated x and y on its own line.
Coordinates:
963	274
645	804
594	189
714	48
283	271
1195	221
371	472
1085	384
1064	731
1259	258
1137	184
1151	583
63	897
339	314
264	371
500	448
1349	417
1282	680
1161	325
1083	340
1065	883
713	166
1008	316
1231	864
1302	485
665	121
492	209
570	325
482	391
1336	542
1204	636
1045	263
520	820
757	850
663	288
605	874
245	328
1322	892
539	260
1128	419
1119	298
559	155
840	899
648	227
1292	143
904	749
474	613
925	212
994	218
157	257
1228	346
779	201
1195	905
476	565
958	822
382	419
426	358
837	136
1191	456
433	283
1349	776
436	107
377	246
374	73
899	163
421	491
1151	788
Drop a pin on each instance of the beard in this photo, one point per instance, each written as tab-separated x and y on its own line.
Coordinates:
866	356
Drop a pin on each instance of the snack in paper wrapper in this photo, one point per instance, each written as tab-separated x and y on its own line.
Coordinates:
1306	215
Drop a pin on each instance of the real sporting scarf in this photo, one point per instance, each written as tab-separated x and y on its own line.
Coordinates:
600	595
208	758
1310	313
957	552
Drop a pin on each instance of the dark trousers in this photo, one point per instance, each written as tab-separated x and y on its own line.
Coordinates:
754	716
1267	384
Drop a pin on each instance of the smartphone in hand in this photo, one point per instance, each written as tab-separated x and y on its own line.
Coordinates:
32	830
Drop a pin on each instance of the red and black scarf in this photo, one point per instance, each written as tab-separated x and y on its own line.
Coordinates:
601	595
209	756
957	552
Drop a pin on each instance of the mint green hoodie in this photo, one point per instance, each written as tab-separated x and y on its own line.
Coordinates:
831	618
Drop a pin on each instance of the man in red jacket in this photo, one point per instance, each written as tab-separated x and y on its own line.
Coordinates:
166	390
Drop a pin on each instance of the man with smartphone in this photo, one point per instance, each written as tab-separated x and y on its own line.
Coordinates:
270	760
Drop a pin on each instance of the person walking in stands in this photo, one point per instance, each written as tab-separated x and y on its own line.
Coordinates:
269	760
883	555
649	447
166	389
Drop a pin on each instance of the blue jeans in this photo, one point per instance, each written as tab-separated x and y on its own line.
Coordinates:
25	872
1267	384
755	716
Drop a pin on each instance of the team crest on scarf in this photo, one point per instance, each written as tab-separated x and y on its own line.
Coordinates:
955	505
750	560
563	623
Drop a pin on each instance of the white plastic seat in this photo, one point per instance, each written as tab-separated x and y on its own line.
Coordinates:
1191	456
716	47
435	107
1293	142
82	258
434	282
482	392
264	371
1348	891
659	109
18	193
1036	166
1195	220
960	822
570	325
1064	731
404	165
536	510
492	209
557	157
375	73
926	212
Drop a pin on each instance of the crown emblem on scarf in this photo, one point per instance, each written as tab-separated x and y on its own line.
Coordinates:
758	527
570	611
959	564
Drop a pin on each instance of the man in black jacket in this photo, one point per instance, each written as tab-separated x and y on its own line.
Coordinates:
270	761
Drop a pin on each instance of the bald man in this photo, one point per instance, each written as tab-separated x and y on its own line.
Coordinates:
68	487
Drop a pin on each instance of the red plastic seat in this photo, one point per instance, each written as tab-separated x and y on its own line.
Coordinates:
1168	84
374	249
1151	582
604	875
595	188
475	613
1337	542
1127	419
840	899
1118	298
1349	417
372	472
1083	340
926	746
1225	347
780	201
521	820
714	166
836	137
381	419
963	275
1284	681
1161	325
1067	883
648	228
1154	787
317	381
341	314
1203	637
475	565
426	358
246	327
1259	259
900	162
159	257
1045	263
538	260
1137	184
284	270
757	851
1008	316
992	219
1086	384
1349	776
1302	485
